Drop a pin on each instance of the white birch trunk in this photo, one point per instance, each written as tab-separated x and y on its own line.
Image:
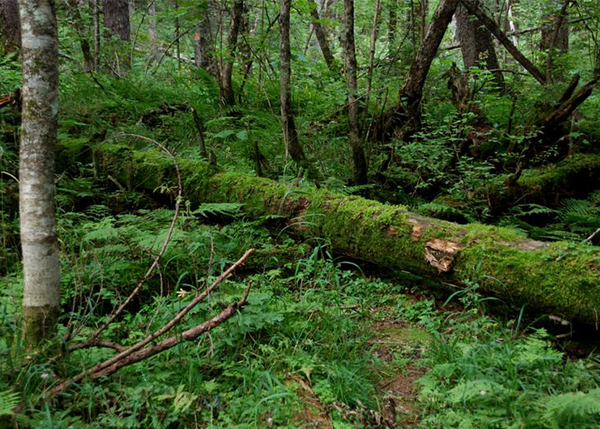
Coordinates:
41	267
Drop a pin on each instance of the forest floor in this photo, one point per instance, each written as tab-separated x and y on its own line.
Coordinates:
322	342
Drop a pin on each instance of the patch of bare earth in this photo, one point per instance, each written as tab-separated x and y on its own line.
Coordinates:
398	387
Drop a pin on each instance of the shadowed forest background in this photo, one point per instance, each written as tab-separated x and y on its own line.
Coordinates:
306	213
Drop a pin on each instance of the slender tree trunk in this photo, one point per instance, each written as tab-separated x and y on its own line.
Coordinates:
97	32
321	34
512	27
290	135
476	44
392	22
116	19
227	94
152	22
555	34
41	268
177	35
84	43
10	25
358	154
374	34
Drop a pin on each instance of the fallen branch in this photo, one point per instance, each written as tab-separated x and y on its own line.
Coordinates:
162	250
137	352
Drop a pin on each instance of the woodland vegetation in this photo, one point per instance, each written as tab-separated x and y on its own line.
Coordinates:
299	213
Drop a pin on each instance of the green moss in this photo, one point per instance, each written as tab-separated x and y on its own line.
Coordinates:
561	278
562	172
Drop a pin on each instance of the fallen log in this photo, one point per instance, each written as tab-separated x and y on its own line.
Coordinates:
559	278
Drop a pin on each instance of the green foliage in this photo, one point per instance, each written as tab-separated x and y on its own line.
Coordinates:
8	401
501	382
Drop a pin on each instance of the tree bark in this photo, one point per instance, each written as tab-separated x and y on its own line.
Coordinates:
10	25
227	94
372	50
559	278
322	39
41	268
411	93
97	32
152	22
476	44
555	36
474	9
204	52
290	135
392	23
116	19
358	154
84	43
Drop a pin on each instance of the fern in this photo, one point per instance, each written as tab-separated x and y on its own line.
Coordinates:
579	213
582	408
8	401
532	210
215	209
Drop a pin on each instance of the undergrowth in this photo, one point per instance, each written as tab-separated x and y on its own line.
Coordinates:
302	347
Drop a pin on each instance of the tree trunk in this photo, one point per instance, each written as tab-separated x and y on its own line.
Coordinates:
474	9
358	154
372	50
321	34
290	135
555	35
152	22
392	23
41	268
411	93
84	43
204	45
10	25
227	94
560	278
97	32
116	19
476	44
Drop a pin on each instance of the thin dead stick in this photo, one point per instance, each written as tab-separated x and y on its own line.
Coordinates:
166	344
163	248
98	343
116	362
172	341
591	237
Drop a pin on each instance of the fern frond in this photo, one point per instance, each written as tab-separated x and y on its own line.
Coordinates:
580	406
8	401
223	209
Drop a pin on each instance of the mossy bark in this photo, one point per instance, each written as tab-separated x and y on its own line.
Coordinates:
572	177
559	278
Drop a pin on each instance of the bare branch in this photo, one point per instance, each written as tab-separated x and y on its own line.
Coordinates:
163	248
136	352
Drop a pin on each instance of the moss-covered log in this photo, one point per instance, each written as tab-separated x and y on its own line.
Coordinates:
559	278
